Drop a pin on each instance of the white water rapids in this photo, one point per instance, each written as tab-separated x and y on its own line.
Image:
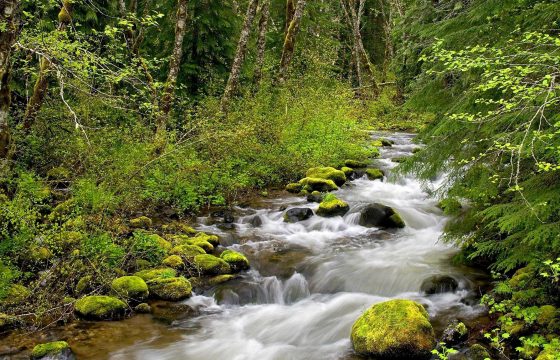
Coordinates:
311	280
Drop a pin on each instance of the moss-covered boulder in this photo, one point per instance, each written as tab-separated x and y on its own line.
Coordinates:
375	174
212	239
315	196
143	308
84	285
15	295
130	287
294	188
355	164
549	354
347	171
396	329
150	274
332	206
376	143
295	215
236	261
547	313
142	222
315	184
100	307
187	251
477	352
171	289
327	173
201	243
220	279
57	350
39	254
454	333
7	322
211	265
378	215
174	262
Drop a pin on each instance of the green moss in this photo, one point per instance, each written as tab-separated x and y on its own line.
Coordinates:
211	265
162	243
514	328
142	222
236	261
151	274
178	227
396	327
84	285
549	354
40	254
50	349
327	173
7	321
16	295
171	289
355	164
374	174
143	308
450	206
377	143
316	184
142	264
220	279
477	352
99	307
386	142
547	313
397	221
212	239
174	262
347	171
70	238
332	206
294	188
461	329
201	243
521	277
133	287
187	251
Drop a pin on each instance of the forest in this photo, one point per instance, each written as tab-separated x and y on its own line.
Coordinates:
280	179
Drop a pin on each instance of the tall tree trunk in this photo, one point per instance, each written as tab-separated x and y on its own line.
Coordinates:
289	41
174	65
42	83
261	42
233	80
7	39
290	10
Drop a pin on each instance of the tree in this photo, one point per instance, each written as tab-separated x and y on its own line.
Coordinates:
45	65
174	64
261	41
289	40
233	80
7	39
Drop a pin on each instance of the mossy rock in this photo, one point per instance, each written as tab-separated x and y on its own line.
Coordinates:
455	333
130	287
142	264
347	171
201	243
236	261
8	322
84	285
178	227
211	265
187	251
69	239
327	173
171	289
100	307
355	164
162	243
375	174
332	206
16	295
143	308
547	313
294	188
386	142
40	254
142	222
377	143
316	184
52	351
212	239
396	329
151	274
549	354
378	215
450	206
521	278
174	262
220	279
477	352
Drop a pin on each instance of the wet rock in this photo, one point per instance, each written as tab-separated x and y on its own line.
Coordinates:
297	214
327	173
57	350
99	307
225	215
455	333
315	196
396	329
211	265
316	184
169	312
143	308
171	289
477	352
375	174
377	215
256	221
386	142
332	206
130	287
237	261
439	284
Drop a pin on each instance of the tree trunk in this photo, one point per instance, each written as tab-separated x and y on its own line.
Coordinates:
261	42
42	83
233	80
290	10
7	39
289	41
174	65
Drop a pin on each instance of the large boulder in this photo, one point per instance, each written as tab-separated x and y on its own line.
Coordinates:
439	284
130	287
327	173
236	261
211	265
396	329
187	251
377	215
295	215
99	307
332	206
311	184
57	350
171	289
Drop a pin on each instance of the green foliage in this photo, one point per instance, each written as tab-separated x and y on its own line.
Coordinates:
443	352
148	247
102	248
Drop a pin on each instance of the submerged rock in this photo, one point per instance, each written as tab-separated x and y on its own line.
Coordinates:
171	289
297	214
99	307
57	350
332	206
396	329
378	215
439	284
236	261
327	173
130	287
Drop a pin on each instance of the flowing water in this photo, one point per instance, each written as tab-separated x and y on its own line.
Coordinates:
309	281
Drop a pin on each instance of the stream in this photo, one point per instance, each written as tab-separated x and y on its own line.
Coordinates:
308	282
